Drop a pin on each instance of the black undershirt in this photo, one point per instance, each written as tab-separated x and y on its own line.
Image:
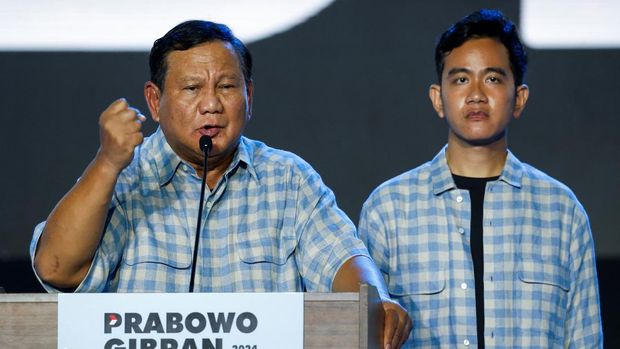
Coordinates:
476	188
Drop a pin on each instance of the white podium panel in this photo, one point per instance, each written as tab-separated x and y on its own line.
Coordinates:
181	320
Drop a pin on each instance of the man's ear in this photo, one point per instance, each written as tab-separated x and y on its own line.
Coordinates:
434	93
521	95
152	94
250	94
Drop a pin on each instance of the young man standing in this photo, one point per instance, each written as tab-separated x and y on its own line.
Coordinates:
480	248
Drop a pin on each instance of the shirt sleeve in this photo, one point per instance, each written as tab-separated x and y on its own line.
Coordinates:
105	259
327	236
373	234
583	328
108	254
36	236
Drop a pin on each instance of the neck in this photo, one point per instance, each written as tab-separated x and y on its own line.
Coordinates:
477	161
217	166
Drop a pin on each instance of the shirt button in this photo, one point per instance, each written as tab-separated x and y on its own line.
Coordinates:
464	285
459	199
461	231
466	342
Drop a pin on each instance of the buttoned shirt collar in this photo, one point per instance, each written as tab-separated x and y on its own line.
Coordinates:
441	177
167	162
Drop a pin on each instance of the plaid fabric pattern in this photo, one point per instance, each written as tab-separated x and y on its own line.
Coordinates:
540	283
269	225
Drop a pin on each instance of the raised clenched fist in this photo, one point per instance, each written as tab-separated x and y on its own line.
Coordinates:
119	133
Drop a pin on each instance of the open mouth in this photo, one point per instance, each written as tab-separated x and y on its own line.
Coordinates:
211	131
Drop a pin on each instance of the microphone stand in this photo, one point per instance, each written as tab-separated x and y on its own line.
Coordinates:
205	146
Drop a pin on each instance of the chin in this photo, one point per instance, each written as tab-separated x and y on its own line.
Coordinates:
485	141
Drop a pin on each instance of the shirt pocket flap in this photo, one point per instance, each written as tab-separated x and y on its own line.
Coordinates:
170	259
155	244
265	246
423	281
541	272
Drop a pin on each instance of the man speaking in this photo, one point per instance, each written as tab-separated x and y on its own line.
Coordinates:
268	223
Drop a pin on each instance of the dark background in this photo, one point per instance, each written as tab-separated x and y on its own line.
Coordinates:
347	91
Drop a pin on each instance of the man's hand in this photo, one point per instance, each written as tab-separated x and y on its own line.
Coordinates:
120	133
396	326
361	269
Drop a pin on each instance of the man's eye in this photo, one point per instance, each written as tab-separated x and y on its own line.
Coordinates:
460	80
493	79
191	88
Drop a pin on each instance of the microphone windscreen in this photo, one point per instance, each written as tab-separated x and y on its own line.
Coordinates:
205	143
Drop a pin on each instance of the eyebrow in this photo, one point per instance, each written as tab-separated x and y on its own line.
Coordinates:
226	75
500	71
455	71
459	70
189	78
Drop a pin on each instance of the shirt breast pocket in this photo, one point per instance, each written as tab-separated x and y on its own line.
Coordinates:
540	300
421	289
266	245
538	272
416	281
157	245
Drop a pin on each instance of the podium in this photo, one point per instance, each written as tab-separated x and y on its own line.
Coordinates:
331	320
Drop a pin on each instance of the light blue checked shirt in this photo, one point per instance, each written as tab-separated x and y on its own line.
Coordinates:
269	225
540	283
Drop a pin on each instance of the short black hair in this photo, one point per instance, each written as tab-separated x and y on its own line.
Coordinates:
190	34
484	24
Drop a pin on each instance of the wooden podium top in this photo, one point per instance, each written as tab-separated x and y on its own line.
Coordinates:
331	320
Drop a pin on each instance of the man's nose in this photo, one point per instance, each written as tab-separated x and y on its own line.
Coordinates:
476	93
210	102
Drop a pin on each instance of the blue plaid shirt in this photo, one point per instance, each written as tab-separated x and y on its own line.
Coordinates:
540	283
269	225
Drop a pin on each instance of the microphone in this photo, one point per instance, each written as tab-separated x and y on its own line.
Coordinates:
205	144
